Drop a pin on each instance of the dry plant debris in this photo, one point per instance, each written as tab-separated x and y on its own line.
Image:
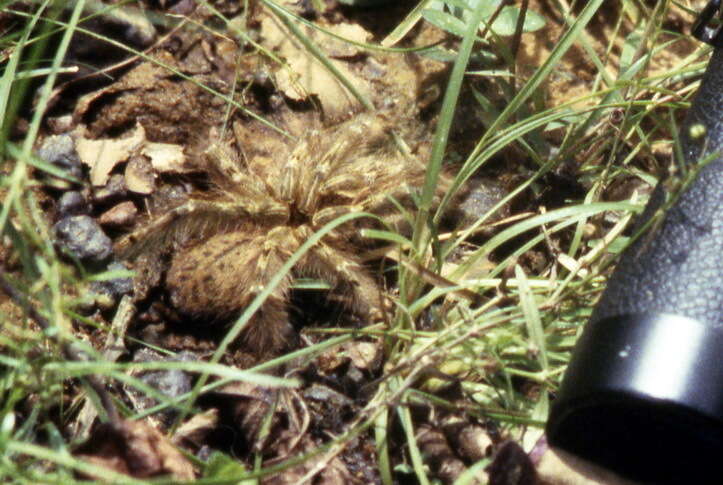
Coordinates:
103	154
136	449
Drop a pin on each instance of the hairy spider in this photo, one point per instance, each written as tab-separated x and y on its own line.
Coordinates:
226	243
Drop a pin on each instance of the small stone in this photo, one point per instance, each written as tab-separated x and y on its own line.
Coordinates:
72	203
171	383
83	237
113	191
481	195
354	379
60	124
60	151
139	175
327	395
115	288
121	215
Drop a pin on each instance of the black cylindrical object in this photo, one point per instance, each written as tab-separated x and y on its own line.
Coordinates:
643	394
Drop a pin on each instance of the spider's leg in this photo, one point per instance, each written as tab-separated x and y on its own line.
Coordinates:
218	279
343	269
198	219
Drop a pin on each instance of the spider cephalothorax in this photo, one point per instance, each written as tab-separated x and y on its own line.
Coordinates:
228	242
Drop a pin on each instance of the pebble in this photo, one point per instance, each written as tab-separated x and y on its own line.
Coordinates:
60	151
328	396
113	191
121	215
114	288
72	203
171	383
482	195
83	237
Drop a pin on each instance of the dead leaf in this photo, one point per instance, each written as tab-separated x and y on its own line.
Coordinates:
247	404
318	470
104	154
305	76
166	157
136	449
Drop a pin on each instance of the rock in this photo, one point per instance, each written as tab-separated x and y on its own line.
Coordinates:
113	191
60	151
121	215
60	124
139	174
83	237
72	203
171	383
327	395
480	196
115	288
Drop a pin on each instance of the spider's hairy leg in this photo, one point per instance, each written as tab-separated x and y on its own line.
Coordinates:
289	186
344	185
217	279
333	159
328	214
221	162
342	269
231	179
197	219
316	173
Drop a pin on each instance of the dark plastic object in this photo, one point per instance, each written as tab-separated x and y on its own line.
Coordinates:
643	394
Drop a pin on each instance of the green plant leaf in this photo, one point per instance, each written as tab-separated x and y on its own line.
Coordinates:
506	22
447	22
220	465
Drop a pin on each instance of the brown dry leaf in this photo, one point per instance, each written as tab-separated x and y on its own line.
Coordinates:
305	76
166	157
104	154
316	470
134	448
248	404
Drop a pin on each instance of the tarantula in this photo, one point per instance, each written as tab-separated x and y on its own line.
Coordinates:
228	242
